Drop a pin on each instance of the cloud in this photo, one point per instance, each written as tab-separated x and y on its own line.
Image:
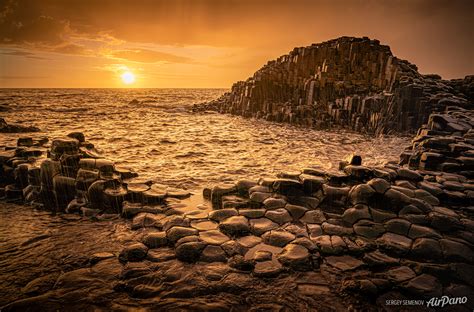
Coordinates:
148	56
22	53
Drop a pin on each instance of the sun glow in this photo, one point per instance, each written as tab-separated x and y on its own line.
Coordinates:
128	77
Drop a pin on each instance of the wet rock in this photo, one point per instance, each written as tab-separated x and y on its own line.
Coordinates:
213	254
409	174
133	252
356	213
177	232
296	257
424	285
313	216
296	211
267	269
359	172
379	185
233	201
368	229
274	203
418	231
311	183
155	239
252	213
344	263
395	200
279	215
400	274
379	259
219	215
262	225
426	249
262	255
333	229
189	252
220	190
243	186
213	237
278	238
380	216
235	226
259	197
288	187
143	220
456	251
398	226
395	243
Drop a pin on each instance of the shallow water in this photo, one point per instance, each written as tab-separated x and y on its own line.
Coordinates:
162	140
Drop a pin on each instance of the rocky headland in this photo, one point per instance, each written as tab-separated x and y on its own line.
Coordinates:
348	82
362	238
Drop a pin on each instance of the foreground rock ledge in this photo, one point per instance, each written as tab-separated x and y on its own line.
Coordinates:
404	230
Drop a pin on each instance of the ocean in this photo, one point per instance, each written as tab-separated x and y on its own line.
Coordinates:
161	139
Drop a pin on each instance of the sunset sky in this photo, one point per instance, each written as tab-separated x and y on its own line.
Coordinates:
213	43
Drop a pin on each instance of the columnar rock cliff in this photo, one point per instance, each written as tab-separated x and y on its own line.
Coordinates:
349	82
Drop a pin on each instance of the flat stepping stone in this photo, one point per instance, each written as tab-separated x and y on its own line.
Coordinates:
278	238
222	214
313	217
249	241
133	252
97	257
204	225
252	213
213	237
274	203
196	214
213	254
280	215
262	225
155	239
147	220
295	256
400	274
424	285
236	225
296	211
177	232
189	252
377	258
267	269
344	263
394	243
161	254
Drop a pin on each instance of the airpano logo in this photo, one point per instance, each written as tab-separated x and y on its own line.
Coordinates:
445	300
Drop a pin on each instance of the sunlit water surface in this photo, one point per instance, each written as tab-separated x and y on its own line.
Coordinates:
162	140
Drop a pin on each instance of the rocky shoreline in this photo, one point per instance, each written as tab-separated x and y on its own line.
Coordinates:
404	230
348	82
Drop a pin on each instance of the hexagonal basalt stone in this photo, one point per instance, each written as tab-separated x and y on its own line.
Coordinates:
398	226
178	232
278	238
174	220
333	229
262	225
409	174
267	269
379	185
311	183
426	249
190	252
237	225
155	239
296	211
395	200
147	220
425	285
313	216
204	225
279	215
379	259
368	229
444	222
295	256
213	237
419	231
252	213
456	251
262	255
259	197
219	215
344	263
233	248
213	254
394	243
380	216
133	252
249	241
427	197
274	203
400	274
361	194
354	214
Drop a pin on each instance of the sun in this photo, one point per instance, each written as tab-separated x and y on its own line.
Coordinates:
128	77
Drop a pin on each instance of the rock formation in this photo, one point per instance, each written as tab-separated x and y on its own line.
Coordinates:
399	230
347	82
12	128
